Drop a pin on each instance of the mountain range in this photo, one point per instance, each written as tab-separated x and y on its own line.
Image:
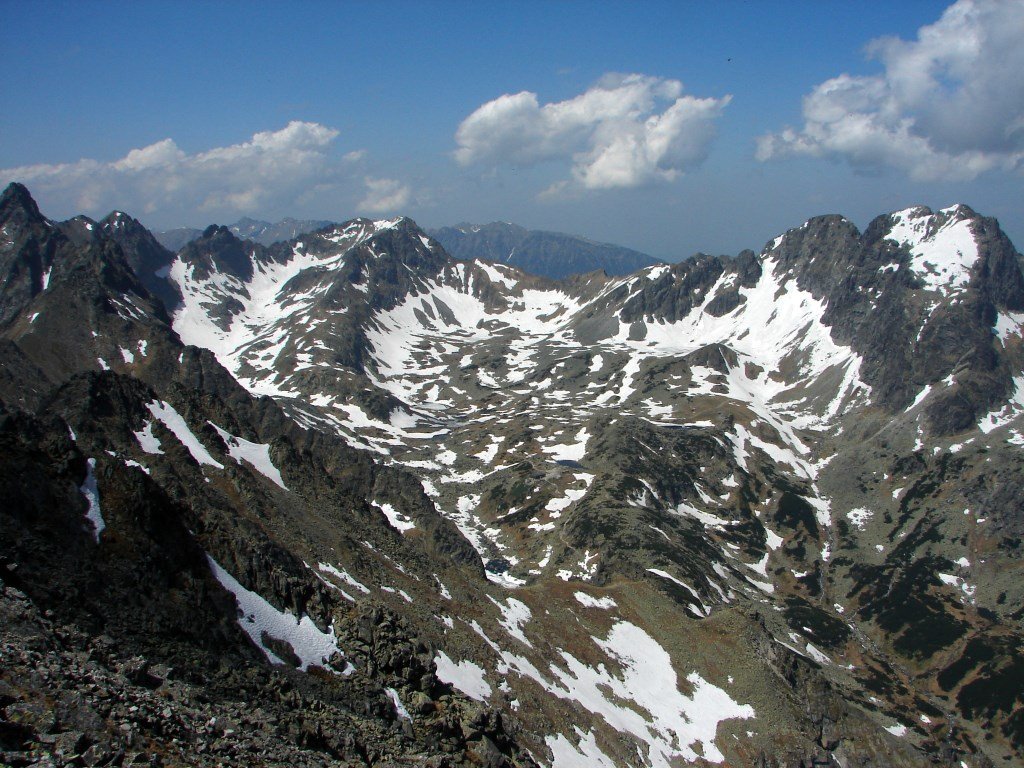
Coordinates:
548	254
258	231
350	499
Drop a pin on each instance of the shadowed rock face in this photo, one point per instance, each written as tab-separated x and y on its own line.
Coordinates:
345	499
147	257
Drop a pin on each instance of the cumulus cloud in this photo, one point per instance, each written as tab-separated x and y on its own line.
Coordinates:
384	196
270	171
626	131
949	105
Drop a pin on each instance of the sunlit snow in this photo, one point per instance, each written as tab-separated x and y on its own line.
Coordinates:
311	645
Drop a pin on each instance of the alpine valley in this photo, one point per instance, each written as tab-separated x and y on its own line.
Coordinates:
347	500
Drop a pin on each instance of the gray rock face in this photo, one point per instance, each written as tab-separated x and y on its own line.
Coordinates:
912	331
351	501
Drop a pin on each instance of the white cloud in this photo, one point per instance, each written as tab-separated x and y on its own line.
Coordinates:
949	105
273	170
384	196
626	131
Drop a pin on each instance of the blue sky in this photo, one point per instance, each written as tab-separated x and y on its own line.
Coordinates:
661	126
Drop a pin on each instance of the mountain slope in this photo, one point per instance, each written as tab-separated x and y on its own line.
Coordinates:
554	423
550	254
761	510
156	513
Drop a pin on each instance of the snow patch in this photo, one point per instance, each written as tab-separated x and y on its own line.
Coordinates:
397	520
1008	324
941	255
92	495
147	440
257	617
859	516
514	615
586	754
588	601
344	577
173	420
465	676
256	454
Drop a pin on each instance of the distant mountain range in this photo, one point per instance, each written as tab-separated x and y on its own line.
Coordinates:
547	254
263	232
176	239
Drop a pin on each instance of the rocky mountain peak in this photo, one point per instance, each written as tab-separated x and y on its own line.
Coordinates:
29	247
247	222
17	206
80	229
148	258
218	249
119	220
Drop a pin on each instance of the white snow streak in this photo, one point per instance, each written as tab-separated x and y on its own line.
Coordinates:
94	514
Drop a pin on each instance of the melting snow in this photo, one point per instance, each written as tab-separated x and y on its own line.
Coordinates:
574	451
344	577
699	609
92	495
256	616
1008	412
444	590
495	275
400	710
487	455
176	424
148	442
642	699
588	601
919	399
256	454
858	517
817	655
397	520
942	256
465	676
